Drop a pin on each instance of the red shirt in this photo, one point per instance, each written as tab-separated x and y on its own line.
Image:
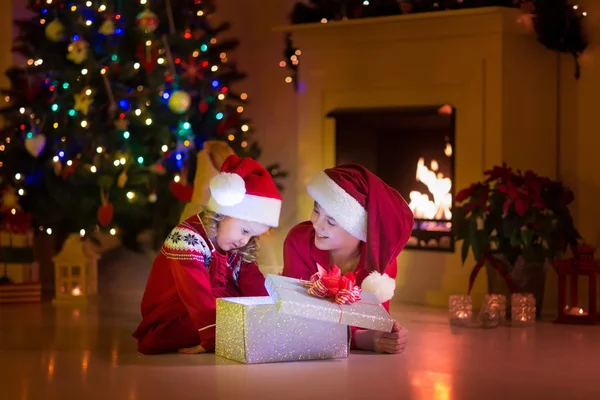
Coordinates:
300	258
187	276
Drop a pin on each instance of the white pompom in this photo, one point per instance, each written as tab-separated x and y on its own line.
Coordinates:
227	189
382	286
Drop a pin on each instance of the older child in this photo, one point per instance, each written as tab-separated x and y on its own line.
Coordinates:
360	224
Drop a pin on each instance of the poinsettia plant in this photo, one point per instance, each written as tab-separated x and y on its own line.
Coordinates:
514	214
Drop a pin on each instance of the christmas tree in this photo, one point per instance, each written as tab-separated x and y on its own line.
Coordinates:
103	122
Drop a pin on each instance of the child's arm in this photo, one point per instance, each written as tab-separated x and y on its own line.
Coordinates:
193	285
251	281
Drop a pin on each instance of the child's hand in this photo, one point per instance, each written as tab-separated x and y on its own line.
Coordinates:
192	350
383	342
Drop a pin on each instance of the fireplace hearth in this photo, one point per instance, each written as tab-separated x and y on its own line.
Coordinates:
412	150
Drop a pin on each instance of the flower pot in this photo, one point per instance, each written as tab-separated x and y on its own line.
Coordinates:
528	278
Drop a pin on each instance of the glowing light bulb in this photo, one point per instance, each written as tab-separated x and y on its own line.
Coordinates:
282	64
160	61
93	169
176	178
13	211
214	68
69	163
126	134
73	8
221	96
102	8
82	232
17	176
200	13
116	163
99	149
240	109
88	23
324	20
231	137
55	125
21	192
130	195
148	121
22	110
49	231
55	158
140	160
113	231
88	92
84	123
138	112
165	148
88	3
84	71
243	96
288	79
136	66
244	144
122	160
148	42
245	128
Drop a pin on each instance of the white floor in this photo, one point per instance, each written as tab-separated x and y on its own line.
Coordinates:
88	353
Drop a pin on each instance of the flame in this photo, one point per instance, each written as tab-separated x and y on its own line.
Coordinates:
76	291
439	187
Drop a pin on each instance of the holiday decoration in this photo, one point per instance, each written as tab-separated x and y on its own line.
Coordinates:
523	309
228	189
78	51
35	145
105	213
83	101
107	28
582	264
124	105
291	298
147	21
342	289
76	272
55	31
460	310
382	286
180	102
558	23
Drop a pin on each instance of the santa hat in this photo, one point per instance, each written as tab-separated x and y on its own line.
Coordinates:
370	210
245	190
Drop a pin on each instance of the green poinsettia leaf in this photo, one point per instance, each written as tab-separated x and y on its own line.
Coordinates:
515	240
526	237
465	250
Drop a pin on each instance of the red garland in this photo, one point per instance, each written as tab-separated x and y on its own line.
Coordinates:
332	284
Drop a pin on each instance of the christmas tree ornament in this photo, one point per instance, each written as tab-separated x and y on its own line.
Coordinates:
152	197
83	100
180	101
122	124
69	169
107	28
35	145
78	51
203	106
147	56
181	192
192	70
55	31
122	179
225	125
10	199
105	213
147	21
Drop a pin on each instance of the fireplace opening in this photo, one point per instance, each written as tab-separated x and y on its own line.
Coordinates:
412	149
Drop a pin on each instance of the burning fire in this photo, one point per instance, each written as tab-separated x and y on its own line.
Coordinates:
439	187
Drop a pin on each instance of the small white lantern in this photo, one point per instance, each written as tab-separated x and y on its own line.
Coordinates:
76	271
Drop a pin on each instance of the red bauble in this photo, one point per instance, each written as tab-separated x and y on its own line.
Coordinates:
105	213
181	192
147	56
203	106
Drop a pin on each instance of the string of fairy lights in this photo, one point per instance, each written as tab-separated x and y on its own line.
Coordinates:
291	54
124	105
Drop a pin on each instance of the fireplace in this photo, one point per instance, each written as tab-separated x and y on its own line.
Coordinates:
412	150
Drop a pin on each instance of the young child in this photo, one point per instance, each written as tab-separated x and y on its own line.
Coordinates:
360	224
207	256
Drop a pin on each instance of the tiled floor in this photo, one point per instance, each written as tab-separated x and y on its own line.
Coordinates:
64	353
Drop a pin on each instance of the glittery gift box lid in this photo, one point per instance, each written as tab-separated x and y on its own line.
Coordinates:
250	330
291	298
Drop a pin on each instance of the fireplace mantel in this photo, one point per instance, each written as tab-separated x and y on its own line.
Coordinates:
484	62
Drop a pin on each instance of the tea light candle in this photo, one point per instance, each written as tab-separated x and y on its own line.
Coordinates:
493	310
460	309
523	309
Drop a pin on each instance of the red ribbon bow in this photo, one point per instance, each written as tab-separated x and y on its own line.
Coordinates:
325	284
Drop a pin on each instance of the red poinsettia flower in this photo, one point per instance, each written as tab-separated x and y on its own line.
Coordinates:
522	205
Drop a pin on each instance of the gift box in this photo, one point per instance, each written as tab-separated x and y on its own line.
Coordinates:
250	330
18	240
20	293
292	298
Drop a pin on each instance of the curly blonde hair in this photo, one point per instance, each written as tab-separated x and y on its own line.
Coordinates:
211	220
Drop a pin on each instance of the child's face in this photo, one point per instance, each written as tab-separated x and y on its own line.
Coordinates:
328	234
235	233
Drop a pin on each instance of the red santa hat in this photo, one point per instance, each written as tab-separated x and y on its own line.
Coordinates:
245	190
370	210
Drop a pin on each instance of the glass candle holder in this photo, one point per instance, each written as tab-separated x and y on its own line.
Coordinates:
493	311
460	309
523	309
